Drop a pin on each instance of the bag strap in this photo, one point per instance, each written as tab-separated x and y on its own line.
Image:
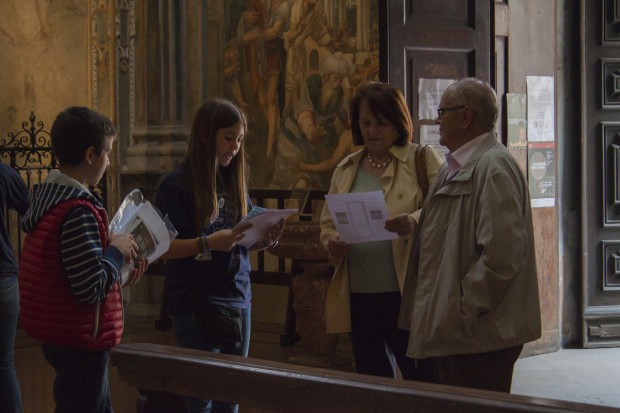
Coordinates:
420	168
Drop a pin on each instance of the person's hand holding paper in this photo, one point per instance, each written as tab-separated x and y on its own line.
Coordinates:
226	239
361	217
262	220
150	234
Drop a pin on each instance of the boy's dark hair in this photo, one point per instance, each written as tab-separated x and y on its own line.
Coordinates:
76	129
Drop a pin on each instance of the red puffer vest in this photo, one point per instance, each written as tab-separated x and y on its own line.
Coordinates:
49	311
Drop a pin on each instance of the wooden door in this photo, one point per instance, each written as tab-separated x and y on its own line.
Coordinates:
600	148
435	39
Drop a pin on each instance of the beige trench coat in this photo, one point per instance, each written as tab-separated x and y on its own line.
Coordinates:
476	287
402	195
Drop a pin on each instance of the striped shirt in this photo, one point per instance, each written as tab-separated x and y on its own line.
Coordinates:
91	271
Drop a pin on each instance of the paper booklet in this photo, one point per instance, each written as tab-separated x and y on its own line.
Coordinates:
150	231
261	219
359	216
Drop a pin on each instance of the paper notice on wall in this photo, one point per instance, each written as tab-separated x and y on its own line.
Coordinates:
516	119
540	109
429	135
541	173
429	96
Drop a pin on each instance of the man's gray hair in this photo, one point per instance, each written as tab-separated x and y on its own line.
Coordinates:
478	95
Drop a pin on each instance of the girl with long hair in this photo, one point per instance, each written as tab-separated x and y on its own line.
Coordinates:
207	271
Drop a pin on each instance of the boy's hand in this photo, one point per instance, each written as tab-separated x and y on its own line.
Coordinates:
126	245
137	273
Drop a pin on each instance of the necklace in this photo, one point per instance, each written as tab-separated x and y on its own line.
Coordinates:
378	165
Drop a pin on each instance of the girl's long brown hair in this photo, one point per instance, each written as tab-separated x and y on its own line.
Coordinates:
201	166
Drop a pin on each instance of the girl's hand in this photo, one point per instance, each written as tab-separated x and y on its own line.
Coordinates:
401	224
337	249
226	239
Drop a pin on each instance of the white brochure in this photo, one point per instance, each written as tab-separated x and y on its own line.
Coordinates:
261	219
152	233
360	217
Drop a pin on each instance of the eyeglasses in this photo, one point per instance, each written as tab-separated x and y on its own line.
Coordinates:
441	111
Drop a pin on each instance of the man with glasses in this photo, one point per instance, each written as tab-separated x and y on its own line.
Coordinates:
471	298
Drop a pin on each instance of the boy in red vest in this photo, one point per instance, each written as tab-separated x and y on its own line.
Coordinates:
69	272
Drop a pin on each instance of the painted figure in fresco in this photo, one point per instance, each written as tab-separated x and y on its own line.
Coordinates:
344	147
232	67
278	12
307	22
310	129
250	25
260	31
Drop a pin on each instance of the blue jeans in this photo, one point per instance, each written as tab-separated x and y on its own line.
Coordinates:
10	398
82	381
193	332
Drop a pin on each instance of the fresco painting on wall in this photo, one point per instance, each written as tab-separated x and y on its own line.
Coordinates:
293	65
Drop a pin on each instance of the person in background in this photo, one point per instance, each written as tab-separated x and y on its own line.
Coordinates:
207	272
15	195
471	292
364	295
70	266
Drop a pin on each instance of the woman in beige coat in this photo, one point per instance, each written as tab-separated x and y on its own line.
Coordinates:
365	293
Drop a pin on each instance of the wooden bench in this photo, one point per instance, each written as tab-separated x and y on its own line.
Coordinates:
162	373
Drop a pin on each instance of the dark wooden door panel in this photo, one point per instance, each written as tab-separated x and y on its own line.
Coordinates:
601	168
437	39
447	12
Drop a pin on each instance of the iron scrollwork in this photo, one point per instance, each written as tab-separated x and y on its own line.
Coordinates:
31	146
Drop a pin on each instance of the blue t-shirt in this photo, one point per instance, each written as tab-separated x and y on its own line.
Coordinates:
14	194
225	278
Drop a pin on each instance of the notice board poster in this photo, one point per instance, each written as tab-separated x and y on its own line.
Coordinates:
540	109
517	121
541	173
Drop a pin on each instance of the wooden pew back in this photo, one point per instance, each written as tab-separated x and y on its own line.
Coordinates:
160	372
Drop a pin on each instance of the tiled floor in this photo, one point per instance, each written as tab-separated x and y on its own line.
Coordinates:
589	376
583	375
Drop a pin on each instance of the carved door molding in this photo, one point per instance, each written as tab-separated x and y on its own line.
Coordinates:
600	73
435	39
